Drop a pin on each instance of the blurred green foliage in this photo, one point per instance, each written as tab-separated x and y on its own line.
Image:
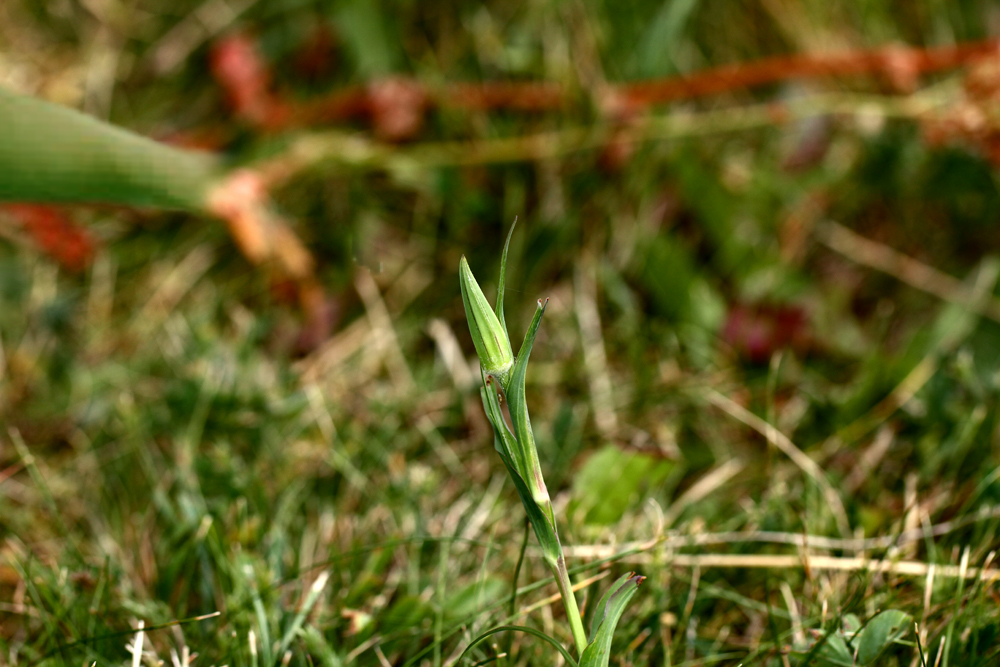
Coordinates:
182	460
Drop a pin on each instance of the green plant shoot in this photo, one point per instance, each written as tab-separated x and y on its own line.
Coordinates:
504	378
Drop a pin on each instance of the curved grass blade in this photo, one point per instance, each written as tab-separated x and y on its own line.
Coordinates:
311	599
512	608
521	628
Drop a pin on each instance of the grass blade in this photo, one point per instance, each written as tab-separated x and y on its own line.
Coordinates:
521	628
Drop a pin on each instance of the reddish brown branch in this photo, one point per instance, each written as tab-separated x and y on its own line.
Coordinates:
501	94
395	106
900	64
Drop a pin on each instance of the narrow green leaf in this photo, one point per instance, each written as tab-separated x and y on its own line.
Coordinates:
521	363
50	153
519	418
601	610
504	441
311	599
882	630
548	538
512	605
266	648
502	284
606	616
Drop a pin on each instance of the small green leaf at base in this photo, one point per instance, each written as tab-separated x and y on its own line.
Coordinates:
835	653
882	630
609	611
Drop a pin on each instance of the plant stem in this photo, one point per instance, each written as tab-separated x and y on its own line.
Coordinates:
569	601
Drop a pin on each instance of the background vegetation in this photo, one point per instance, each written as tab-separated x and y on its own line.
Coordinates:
728	275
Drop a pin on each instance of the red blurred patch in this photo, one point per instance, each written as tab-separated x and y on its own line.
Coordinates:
397	107
246	80
756	332
55	233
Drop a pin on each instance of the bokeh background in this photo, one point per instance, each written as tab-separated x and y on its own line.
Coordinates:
768	233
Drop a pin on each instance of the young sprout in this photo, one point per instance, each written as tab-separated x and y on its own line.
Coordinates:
504	376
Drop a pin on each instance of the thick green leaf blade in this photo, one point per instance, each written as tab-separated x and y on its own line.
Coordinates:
50	153
606	616
612	480
882	630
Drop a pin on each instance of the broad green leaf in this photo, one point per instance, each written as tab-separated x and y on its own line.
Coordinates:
666	270
611	481
881	631
468	600
656	52
406	612
367	32
50	153
606	616
835	653
851	624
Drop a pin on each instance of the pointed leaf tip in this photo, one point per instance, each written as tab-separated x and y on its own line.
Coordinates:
503	279
609	611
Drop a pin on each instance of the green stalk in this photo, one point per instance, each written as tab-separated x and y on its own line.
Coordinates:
50	153
515	443
569	602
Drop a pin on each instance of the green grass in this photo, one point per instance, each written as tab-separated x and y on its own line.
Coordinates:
165	455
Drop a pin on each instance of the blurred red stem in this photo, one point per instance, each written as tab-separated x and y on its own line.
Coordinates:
899	63
891	60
